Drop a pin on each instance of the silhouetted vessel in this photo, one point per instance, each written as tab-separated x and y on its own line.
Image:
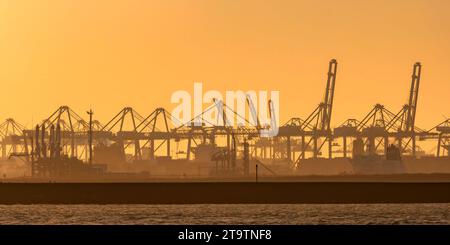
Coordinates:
371	163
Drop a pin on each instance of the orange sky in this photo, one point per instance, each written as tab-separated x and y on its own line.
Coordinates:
110	54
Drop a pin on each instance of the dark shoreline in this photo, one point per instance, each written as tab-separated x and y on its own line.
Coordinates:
224	193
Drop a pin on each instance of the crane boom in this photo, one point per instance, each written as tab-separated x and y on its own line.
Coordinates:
329	96
413	97
253	111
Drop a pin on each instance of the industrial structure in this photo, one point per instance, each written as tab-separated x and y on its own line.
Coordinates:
131	137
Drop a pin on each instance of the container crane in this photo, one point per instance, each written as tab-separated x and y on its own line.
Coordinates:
320	118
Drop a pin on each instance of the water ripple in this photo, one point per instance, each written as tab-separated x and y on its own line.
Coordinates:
227	214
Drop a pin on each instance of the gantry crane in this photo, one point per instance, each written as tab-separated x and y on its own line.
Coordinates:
404	120
320	118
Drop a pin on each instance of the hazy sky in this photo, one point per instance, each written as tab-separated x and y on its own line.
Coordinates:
111	54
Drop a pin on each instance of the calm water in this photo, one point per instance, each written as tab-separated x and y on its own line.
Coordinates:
227	214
